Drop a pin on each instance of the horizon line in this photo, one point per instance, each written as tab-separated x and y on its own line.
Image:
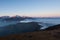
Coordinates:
30	16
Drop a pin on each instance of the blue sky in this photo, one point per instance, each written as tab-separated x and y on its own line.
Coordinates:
34	8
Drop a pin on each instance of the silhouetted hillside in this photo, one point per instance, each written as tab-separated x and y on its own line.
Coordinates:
55	27
20	28
37	35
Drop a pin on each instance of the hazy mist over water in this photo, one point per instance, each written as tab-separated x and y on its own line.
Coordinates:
45	22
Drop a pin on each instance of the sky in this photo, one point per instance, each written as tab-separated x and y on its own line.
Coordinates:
32	8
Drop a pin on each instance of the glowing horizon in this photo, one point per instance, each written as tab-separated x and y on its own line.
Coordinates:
34	15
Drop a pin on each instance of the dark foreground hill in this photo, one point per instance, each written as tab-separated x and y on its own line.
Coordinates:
55	27
48	34
19	28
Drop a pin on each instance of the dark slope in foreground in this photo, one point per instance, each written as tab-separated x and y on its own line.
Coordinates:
48	34
19	28
55	27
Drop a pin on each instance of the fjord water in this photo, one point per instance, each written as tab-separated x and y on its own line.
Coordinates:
49	20
44	22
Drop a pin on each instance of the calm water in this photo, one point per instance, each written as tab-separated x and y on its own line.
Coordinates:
45	22
52	21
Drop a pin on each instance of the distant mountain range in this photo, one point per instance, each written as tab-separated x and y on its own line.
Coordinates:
13	18
19	18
